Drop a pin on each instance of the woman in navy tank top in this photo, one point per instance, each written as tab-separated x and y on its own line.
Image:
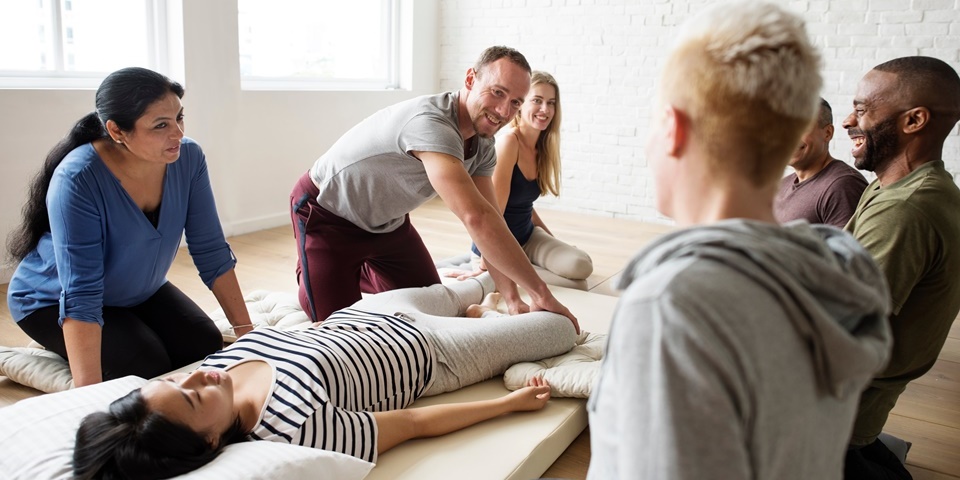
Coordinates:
528	167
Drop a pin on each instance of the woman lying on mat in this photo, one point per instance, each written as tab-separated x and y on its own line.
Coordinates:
340	386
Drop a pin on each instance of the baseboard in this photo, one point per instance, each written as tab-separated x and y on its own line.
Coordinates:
256	224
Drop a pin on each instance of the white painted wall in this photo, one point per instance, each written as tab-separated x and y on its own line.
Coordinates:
257	143
606	55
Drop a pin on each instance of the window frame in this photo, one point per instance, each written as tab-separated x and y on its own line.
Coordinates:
391	46
157	54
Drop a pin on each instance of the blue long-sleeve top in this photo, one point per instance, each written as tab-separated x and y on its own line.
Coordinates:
103	251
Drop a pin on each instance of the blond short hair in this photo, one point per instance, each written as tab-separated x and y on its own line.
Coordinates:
748	77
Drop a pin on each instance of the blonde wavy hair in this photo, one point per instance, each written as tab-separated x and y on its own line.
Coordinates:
548	143
748	77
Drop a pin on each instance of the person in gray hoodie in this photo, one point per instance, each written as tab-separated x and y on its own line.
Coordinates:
739	346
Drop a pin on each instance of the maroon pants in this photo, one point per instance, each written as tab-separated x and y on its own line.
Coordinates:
337	259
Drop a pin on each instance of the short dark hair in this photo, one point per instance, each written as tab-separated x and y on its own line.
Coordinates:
921	69
132	441
825	114
928	77
492	54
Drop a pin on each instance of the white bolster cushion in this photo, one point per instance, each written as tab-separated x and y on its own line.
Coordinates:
569	375
36	368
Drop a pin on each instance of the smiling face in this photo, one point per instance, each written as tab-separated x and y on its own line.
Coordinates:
540	106
201	400
496	94
873	124
157	133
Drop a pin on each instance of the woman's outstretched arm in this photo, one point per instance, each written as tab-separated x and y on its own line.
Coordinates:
397	426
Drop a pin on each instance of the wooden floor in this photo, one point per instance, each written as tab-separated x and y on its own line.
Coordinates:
928	413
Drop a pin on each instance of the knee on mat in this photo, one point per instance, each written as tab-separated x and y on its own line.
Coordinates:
145	361
202	340
579	268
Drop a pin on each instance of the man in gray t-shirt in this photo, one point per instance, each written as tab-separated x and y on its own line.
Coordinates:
350	210
822	189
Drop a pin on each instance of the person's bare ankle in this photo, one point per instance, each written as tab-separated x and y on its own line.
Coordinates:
491	300
476	311
489	304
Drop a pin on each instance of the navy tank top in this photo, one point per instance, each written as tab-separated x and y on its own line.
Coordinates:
519	210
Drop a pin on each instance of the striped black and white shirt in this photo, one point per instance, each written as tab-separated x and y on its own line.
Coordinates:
327	379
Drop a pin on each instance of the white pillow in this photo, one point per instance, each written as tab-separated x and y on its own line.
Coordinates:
569	375
38	433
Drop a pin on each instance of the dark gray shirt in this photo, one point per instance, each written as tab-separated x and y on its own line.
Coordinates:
829	197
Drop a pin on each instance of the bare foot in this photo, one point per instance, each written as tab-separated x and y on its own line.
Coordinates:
489	304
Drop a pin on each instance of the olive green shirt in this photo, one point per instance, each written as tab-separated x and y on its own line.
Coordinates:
912	229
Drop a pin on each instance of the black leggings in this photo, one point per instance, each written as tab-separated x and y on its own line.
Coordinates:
874	462
165	332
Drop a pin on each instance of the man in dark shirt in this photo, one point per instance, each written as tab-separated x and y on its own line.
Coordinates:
822	189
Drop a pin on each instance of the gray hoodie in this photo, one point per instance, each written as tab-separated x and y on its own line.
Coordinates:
738	350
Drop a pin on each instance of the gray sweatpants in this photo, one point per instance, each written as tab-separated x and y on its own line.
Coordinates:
471	350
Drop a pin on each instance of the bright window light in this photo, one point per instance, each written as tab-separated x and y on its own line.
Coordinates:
75	43
319	44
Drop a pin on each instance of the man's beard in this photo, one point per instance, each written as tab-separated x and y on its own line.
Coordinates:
480	133
880	145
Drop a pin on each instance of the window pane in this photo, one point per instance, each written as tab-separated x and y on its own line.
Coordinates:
27	24
69	43
98	40
328	40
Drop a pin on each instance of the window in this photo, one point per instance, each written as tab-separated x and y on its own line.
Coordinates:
78	42
319	44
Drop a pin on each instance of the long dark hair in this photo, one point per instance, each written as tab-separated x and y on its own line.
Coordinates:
122	97
132	441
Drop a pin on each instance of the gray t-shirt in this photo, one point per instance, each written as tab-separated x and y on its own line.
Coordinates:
371	178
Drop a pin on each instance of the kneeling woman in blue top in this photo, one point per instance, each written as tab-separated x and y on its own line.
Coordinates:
339	386
101	227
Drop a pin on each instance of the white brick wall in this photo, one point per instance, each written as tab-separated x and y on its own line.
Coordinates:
606	55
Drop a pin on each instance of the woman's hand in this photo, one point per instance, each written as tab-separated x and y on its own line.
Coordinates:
227	290
398	426
463	274
241	330
532	397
